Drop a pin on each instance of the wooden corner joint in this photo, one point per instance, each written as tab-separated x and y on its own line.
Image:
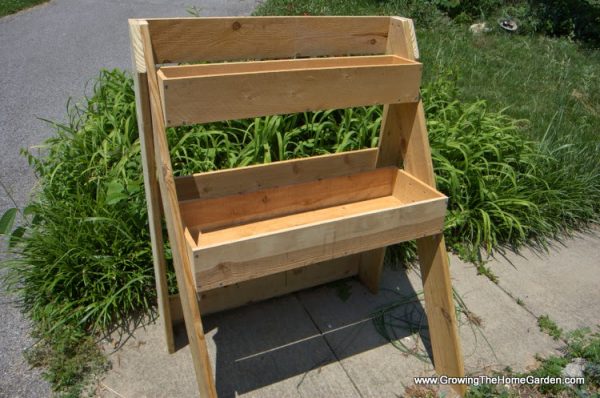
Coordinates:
407	26
137	49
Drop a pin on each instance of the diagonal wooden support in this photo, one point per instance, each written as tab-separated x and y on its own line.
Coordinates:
409	120
185	280
154	205
404	140
401	42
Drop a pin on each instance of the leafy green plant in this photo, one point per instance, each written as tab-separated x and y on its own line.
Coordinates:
576	18
581	343
550	327
70	359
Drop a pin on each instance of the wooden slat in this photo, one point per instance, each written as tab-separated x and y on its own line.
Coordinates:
181	261
144	119
263	247
239	38
253	178
254	290
226	211
296	247
371	265
404	139
230	68
207	98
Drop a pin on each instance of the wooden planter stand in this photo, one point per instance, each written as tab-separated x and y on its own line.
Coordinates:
247	234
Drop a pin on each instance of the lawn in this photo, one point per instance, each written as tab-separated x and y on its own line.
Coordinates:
11	6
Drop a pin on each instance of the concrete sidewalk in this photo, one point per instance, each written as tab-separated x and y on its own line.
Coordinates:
314	344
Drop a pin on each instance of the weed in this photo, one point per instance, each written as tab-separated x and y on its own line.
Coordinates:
487	272
421	392
70	360
549	327
581	343
520	302
489	390
343	289
403	317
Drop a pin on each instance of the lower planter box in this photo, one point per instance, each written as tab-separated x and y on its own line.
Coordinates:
240	237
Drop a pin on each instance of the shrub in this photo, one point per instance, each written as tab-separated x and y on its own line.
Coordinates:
467	10
577	18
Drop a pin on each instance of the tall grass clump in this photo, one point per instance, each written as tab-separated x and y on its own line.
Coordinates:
504	189
81	258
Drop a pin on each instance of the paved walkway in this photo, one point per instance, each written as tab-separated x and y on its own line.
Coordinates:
313	344
49	53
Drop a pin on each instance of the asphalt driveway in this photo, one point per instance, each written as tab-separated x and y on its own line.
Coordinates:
48	54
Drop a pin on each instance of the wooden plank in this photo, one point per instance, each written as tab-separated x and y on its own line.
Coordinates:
179	40
248	251
144	119
255	290
338	221
286	172
410	192
332	246
181	261
230	68
437	287
371	266
238	96
226	211
405	129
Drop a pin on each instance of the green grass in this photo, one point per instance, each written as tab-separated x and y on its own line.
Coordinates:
581	343
554	83
549	327
11	6
550	86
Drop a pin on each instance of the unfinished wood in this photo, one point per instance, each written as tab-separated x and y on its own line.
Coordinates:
181	261
331	246
236	68
235	253
251	291
295	229
144	119
286	89
211	214
253	178
408	121
136	47
371	266
179	40
437	287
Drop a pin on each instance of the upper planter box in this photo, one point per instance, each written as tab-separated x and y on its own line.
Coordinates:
210	92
